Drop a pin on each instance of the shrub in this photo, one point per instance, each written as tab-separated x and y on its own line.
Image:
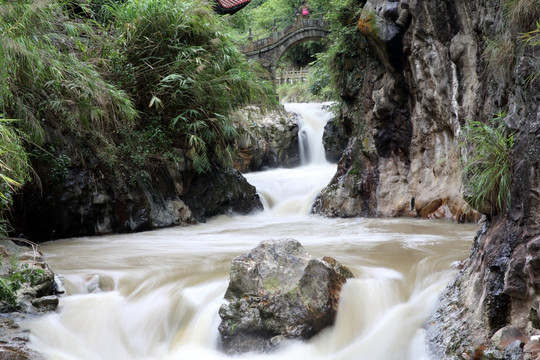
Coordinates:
487	169
188	72
14	168
42	78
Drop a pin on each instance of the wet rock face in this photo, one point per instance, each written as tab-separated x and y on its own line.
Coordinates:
219	193
278	291
86	203
415	97
268	140
424	74
344	197
335	139
499	287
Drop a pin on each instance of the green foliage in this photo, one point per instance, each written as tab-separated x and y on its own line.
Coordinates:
283	11
532	37
9	285
98	10
45	78
298	92
301	55
261	14
188	71
7	294
168	60
143	148
500	55
320	80
329	70
488	166
519	16
14	168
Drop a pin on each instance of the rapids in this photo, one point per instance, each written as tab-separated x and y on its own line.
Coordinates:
156	295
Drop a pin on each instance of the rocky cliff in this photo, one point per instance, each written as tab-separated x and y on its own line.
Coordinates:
78	194
422	71
419	83
89	199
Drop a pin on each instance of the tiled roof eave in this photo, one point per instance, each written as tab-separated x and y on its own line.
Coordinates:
229	4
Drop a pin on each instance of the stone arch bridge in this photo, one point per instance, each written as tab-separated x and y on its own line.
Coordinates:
269	50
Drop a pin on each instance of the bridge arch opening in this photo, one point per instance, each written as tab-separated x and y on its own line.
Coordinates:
301	54
293	65
268	51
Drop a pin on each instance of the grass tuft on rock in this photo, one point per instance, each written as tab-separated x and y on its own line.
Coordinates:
487	171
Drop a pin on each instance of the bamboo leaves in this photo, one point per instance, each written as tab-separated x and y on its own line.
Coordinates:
189	72
38	51
14	167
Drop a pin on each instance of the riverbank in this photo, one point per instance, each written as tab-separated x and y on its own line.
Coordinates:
28	290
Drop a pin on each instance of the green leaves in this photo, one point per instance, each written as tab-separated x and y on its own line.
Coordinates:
44	79
14	167
7	294
189	72
19	275
532	37
488	174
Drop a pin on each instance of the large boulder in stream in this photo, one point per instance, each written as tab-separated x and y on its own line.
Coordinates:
278	291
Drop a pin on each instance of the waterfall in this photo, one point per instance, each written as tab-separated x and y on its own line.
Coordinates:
312	119
292	191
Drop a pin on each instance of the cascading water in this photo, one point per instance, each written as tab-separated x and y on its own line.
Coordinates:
312	120
296	189
156	295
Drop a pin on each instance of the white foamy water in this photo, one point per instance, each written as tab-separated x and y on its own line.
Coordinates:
312	119
156	295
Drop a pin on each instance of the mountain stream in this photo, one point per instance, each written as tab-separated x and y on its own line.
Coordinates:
156	295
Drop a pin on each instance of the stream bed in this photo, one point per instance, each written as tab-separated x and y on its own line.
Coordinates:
156	295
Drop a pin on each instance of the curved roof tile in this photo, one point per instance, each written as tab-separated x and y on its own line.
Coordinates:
229	6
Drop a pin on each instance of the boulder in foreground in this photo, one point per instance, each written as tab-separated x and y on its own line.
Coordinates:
278	291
